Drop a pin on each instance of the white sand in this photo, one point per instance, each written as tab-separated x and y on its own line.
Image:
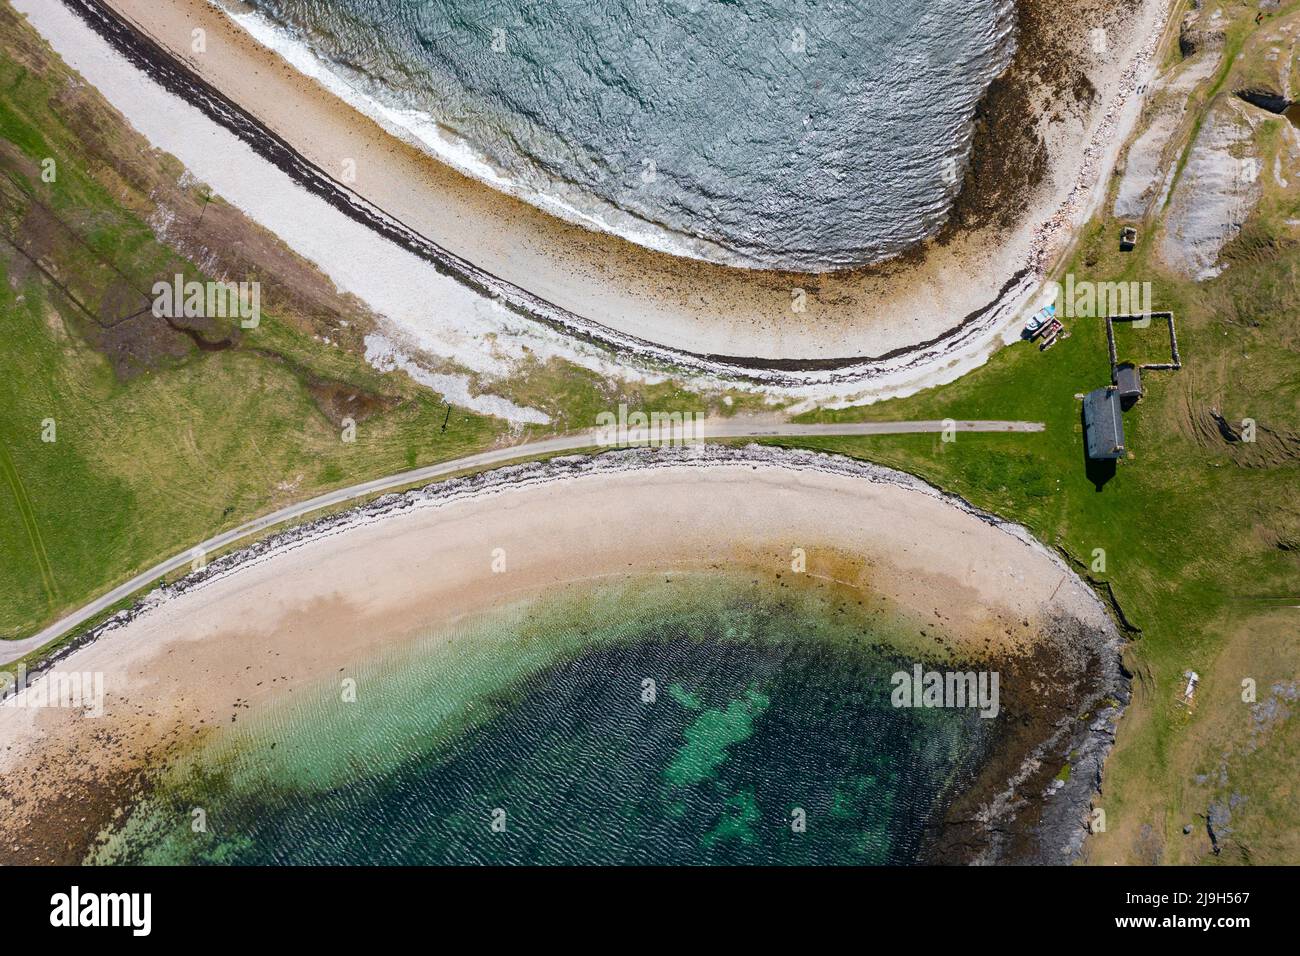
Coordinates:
261	623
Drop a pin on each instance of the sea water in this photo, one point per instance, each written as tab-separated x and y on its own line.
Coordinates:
798	134
674	718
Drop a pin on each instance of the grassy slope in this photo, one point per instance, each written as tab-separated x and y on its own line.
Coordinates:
145	465
1193	537
141	467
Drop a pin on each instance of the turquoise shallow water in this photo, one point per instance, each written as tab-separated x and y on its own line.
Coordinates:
768	704
797	134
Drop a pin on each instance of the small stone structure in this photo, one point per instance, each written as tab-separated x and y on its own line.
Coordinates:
1128	382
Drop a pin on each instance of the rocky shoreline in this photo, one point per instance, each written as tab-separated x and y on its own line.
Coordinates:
1034	799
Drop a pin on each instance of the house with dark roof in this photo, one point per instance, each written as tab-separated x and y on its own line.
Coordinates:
1103	425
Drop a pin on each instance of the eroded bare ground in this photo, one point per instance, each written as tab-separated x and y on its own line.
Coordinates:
98	265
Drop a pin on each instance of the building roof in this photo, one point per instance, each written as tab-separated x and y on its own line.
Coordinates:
1128	380
1103	425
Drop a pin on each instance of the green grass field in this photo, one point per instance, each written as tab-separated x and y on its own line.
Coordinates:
158	443
194	442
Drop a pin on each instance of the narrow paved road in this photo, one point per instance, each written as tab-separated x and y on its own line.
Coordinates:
575	441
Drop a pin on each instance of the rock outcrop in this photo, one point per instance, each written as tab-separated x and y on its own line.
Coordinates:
1200	32
1217	191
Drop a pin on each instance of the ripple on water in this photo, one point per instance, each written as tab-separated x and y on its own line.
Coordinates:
796	133
767	699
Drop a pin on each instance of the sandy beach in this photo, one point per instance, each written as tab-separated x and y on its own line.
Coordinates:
254	626
929	311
